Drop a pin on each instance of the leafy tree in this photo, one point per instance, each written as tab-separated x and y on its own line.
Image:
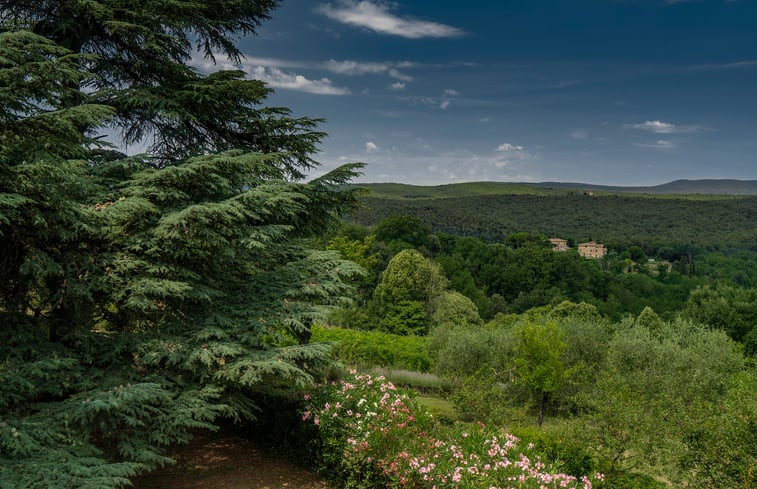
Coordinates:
403	229
538	362
405	317
641	411
410	276
143	297
358	251
453	309
720	449
649	319
731	309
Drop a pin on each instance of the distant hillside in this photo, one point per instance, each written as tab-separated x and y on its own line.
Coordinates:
678	187
493	210
690	187
406	191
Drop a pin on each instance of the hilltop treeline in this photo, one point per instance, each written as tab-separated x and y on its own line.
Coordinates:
618	221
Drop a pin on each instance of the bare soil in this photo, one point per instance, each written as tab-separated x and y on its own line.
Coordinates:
226	461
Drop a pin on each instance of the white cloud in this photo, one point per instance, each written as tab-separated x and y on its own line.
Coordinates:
272	62
450	92
660	127
444	104
349	67
344	67
660	144
395	73
292	81
376	16
580	134
507	147
371	147
656	126
510	155
441	166
269	70
397	86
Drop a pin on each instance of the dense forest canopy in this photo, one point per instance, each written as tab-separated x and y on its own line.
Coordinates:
618	221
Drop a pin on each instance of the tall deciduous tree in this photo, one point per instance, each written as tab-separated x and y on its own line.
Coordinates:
142	297
538	362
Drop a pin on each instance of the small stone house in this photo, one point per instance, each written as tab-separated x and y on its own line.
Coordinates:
559	244
592	250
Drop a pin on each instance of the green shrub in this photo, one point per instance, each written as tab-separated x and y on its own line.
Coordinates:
482	397
573	458
375	349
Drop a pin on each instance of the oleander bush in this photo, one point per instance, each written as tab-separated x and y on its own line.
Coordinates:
370	434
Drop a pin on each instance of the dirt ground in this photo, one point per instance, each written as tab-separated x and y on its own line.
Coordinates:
226	461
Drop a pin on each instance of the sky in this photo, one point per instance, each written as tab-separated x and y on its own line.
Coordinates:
429	92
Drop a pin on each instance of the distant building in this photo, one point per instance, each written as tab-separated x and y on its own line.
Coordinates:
592	250
559	244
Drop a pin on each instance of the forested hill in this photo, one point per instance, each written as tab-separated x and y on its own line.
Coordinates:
693	188
617	220
687	187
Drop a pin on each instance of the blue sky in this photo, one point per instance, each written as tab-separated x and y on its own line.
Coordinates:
619	92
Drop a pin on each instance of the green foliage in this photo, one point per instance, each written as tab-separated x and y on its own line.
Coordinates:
720	449
450	309
537	362
405	318
358	252
410	277
730	309
462	351
483	397
364	423
649	319
641	410
572	456
144	297
632	480
619	221
412	295
375	348
401	232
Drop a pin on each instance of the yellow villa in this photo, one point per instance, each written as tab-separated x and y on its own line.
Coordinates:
592	250
559	244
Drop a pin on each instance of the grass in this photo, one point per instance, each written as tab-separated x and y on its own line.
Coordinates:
442	409
420	381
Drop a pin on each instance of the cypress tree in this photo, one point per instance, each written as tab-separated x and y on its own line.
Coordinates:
145	296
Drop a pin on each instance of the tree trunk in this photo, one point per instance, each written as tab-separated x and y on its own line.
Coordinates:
542	407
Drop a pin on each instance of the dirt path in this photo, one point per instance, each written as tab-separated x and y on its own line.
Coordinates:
225	461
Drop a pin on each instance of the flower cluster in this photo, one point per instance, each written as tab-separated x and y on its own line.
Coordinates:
371	422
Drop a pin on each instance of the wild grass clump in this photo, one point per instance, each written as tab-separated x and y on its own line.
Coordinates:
420	381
